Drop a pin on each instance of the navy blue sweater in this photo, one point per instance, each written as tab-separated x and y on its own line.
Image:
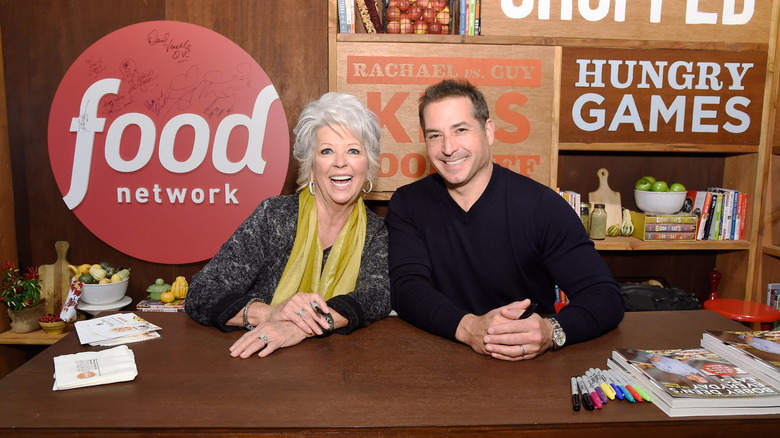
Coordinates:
518	241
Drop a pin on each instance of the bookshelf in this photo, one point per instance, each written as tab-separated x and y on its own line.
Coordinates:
752	167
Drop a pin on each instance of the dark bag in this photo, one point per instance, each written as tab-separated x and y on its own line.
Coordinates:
642	297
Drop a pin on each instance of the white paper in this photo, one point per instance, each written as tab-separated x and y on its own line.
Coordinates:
90	368
119	325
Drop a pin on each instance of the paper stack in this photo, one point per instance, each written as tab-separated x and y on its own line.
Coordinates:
92	368
117	329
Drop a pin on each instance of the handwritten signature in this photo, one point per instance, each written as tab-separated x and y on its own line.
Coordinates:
178	50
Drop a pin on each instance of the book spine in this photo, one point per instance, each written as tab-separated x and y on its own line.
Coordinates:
472	11
159	309
477	19
743	213
671	236
343	23
725	233
716	219
670	219
464	8
670	227
710	215
735	215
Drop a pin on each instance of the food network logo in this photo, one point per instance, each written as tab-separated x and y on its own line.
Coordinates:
163	137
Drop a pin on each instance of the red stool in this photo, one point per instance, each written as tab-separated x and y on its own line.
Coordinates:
739	310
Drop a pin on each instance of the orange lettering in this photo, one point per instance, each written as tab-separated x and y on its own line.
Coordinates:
387	115
503	112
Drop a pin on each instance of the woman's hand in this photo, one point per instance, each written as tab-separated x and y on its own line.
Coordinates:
266	338
298	310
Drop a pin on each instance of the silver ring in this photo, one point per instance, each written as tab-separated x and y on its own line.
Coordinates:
263	338
522	348
301	312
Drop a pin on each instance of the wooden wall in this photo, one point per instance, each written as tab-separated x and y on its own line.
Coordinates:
40	41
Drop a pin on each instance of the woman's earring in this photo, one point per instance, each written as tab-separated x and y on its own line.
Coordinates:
370	187
311	187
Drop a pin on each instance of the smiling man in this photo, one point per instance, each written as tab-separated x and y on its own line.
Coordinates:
473	246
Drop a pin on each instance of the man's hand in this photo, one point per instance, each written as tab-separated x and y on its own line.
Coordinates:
500	334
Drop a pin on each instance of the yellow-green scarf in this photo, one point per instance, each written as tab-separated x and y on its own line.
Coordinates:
339	276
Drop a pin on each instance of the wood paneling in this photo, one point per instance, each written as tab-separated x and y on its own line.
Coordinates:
41	39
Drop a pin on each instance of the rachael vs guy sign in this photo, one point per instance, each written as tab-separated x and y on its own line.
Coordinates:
163	137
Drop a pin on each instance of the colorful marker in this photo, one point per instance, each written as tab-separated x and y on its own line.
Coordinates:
592	393
626	393
602	382
586	401
595	385
575	394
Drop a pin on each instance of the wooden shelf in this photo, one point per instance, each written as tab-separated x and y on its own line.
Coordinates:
634	244
38	337
772	250
667	148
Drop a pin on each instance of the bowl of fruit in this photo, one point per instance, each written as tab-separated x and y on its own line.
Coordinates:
51	324
653	196
102	283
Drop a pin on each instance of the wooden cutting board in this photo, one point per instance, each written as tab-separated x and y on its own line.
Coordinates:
608	197
55	279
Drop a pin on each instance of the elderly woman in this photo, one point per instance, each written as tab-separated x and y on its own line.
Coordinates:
309	264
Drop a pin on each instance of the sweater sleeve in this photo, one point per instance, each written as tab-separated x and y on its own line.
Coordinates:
413	294
595	305
249	264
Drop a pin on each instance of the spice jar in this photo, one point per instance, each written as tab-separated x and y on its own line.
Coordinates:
598	222
585	218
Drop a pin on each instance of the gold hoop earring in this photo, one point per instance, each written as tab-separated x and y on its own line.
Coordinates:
311	187
370	187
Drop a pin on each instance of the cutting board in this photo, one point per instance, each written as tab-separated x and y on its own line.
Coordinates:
55	279
608	197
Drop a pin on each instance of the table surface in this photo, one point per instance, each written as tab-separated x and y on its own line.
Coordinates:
388	379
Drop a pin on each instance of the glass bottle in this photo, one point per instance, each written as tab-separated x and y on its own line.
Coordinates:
598	222
585	218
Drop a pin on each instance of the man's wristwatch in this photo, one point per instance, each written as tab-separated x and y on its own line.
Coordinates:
559	337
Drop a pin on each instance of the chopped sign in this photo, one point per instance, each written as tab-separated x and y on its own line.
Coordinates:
163	137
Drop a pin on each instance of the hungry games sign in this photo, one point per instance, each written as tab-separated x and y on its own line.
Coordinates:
163	137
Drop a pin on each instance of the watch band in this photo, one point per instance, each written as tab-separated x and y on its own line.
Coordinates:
559	336
247	325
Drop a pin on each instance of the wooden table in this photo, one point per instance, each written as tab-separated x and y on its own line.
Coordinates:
387	379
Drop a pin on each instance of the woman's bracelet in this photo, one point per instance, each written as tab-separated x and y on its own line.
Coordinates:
247	325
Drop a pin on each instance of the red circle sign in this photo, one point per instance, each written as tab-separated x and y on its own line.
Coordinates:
163	137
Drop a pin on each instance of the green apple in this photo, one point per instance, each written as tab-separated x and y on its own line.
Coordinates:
643	184
652	179
677	187
659	186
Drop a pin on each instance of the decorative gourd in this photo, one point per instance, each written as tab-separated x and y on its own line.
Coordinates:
179	287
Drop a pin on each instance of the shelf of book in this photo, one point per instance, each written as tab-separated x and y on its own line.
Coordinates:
633	244
772	250
38	337
667	148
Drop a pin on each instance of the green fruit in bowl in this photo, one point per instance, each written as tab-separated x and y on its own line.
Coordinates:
651	178
659	186
643	184
677	187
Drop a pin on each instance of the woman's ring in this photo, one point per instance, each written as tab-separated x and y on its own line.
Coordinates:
301	312
263	338
522	348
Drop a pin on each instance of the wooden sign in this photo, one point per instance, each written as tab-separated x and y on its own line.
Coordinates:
710	21
517	82
661	96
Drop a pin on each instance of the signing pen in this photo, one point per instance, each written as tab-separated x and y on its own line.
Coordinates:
575	394
602	383
592	393
630	387
632	384
528	311
626	394
608	381
595	387
586	401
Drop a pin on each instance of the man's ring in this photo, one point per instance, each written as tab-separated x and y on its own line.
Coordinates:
263	338
522	348
301	312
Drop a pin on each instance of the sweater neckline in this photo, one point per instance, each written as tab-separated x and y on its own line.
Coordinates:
481	203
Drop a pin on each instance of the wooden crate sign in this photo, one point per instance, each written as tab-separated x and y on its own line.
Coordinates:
517	82
661	96
721	21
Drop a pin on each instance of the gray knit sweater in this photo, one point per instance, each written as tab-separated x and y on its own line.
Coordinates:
251	262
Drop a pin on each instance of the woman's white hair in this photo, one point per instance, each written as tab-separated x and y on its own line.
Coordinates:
335	110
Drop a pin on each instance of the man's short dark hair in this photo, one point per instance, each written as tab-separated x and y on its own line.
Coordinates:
455	88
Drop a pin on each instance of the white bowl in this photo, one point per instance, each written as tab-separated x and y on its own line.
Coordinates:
104	293
659	202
